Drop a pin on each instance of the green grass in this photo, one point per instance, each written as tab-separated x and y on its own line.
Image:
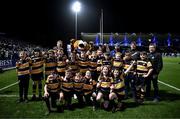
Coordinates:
171	71
7	78
169	107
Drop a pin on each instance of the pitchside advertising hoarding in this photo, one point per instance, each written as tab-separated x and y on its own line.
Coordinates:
7	63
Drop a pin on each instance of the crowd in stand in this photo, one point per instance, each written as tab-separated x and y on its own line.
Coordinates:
9	48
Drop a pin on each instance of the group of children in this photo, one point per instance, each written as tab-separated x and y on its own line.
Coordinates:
95	77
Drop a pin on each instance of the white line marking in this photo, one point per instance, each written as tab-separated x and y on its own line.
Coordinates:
12	96
8	96
169	85
5	69
30	95
175	63
9	85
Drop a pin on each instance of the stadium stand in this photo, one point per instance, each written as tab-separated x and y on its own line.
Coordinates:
9	50
168	43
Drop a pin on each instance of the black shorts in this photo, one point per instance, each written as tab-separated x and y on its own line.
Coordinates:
37	77
105	94
61	73
24	77
119	96
54	95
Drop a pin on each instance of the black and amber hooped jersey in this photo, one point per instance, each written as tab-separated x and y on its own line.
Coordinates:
93	64
127	64
88	86
105	84
50	65
61	64
73	66
106	62
119	85
23	67
53	85
143	66
83	64
67	86
117	63
37	65
78	85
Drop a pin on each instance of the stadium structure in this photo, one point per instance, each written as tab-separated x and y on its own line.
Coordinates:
166	42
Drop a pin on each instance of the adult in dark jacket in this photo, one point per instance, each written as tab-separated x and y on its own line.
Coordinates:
135	54
157	64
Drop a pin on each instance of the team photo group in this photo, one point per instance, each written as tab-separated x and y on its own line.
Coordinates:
98	76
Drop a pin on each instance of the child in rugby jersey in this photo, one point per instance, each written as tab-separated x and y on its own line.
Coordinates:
143	70
103	87
89	89
23	72
117	89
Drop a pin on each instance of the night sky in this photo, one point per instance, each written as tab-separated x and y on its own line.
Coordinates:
46	21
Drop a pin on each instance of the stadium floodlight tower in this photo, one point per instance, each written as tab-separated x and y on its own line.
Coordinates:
76	7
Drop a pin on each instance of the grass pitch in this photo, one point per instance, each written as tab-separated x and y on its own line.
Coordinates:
168	107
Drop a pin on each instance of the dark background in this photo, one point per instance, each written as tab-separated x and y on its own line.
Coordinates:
46	21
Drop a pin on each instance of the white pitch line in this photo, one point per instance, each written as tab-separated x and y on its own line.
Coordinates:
8	96
12	96
9	85
5	69
169	85
17	83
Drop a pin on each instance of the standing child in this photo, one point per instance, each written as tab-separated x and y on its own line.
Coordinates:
50	63
83	62
118	88
130	77
99	61
61	62
118	62
72	64
93	65
23	72
37	73
144	69
107	60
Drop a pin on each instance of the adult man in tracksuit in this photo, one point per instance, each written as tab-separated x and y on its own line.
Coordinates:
157	65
